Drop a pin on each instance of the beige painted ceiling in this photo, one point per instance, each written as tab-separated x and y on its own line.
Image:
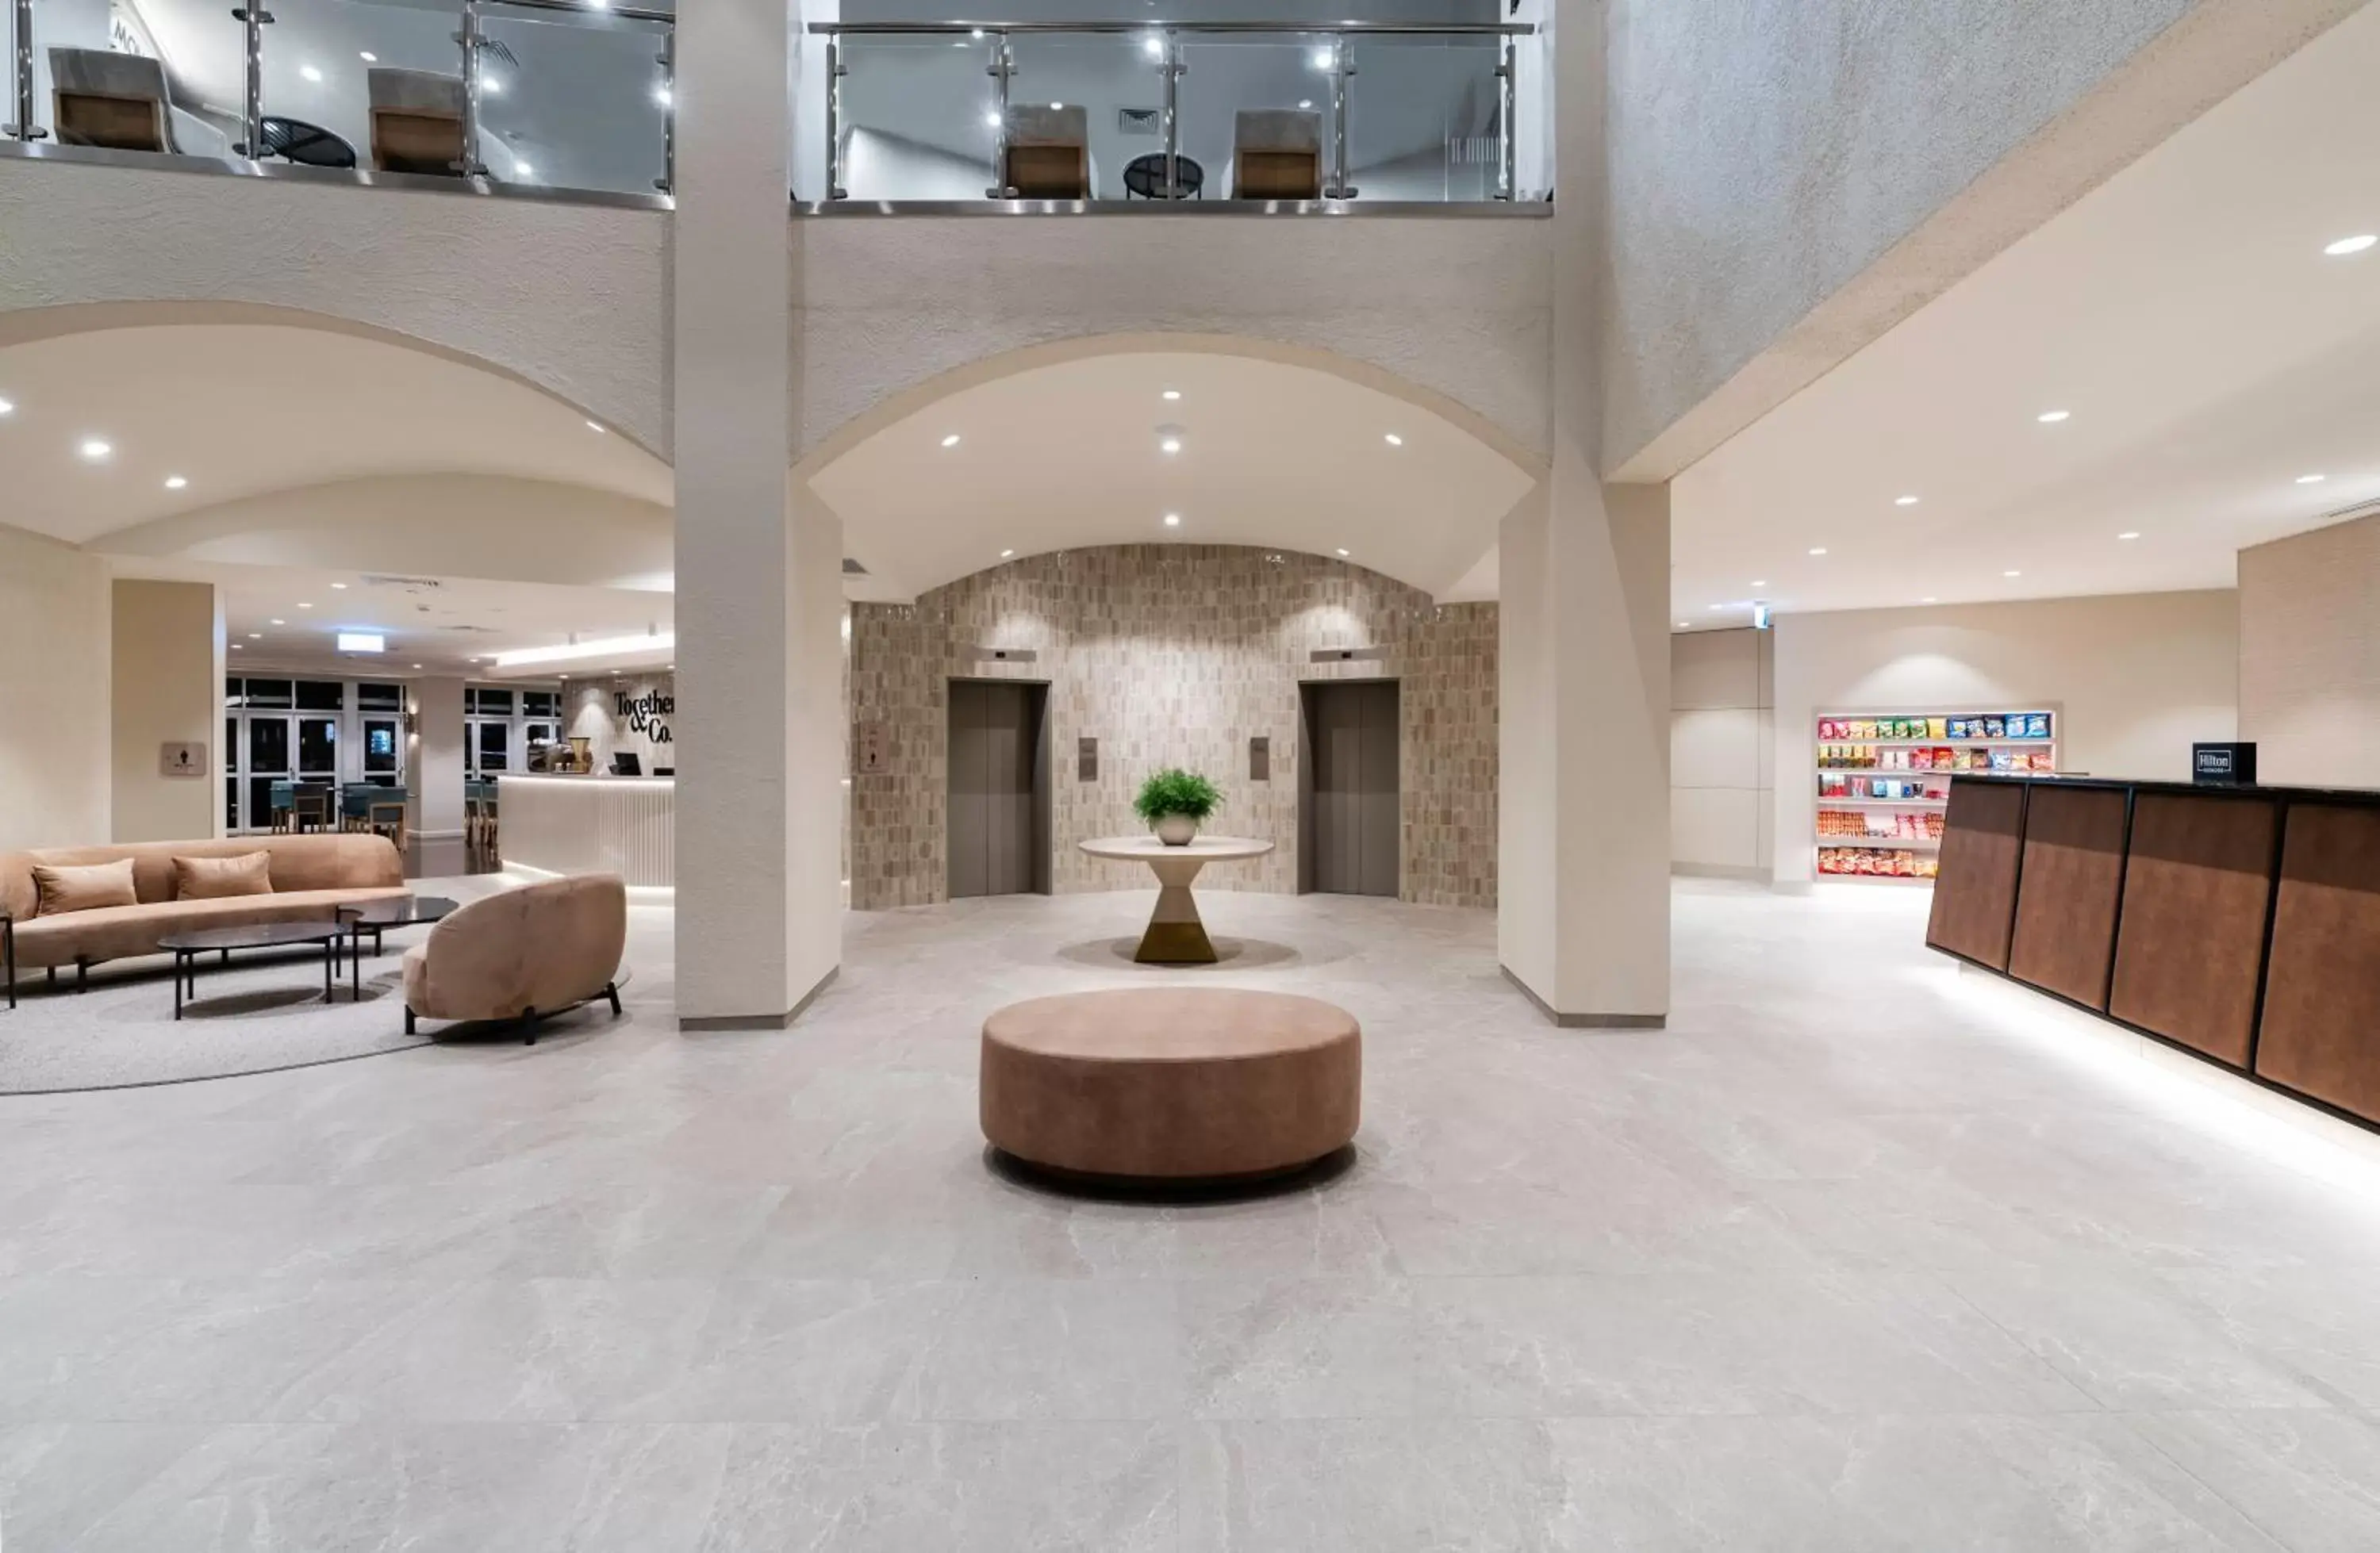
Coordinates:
432	625
1068	456
2184	313
240	410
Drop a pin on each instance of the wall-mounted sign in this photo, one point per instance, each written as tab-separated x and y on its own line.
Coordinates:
646	714
182	760
871	747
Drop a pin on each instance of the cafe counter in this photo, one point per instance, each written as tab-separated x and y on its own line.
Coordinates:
589	824
2239	924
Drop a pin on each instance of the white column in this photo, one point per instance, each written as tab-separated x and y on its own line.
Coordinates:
434	770
1583	922
758	580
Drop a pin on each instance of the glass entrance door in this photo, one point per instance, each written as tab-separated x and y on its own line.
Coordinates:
266	757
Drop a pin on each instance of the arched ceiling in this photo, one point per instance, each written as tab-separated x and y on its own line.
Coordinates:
1069	455
243	410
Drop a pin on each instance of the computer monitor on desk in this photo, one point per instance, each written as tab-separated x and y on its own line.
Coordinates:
628	765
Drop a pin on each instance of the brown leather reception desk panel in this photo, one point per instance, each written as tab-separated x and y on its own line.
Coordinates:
2321	1031
2245	922
1983	838
2196	893
2072	881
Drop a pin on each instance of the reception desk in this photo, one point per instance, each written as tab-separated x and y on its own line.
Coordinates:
2239	924
590	825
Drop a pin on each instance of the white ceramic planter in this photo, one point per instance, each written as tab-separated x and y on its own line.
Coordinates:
1177	830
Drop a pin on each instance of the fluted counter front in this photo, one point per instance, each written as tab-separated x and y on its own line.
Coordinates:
590	825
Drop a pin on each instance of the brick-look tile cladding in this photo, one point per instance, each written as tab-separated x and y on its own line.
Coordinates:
1176	655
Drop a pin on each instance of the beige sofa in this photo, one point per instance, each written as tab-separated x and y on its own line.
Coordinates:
311	876
522	954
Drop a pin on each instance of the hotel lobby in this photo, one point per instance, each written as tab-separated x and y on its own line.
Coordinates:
1011	784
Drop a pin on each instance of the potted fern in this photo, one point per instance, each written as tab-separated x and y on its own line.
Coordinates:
1174	803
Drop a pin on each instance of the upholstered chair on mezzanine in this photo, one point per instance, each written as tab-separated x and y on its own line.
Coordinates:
417	122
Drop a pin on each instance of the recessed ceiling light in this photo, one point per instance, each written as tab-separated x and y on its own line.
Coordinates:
977	33
993	119
417	665
1006	554
1905	501
1395	440
2012	574
1057	107
1927	600
239	646
369	57
2311	480
338	585
951	441
1173	520
95	449
305	606
493	86
1685	625
280	622
1172	394
1817	550
2130	534
2051	417
1343	550
1759	582
1305	104
1718	606
256	635
174	482
523	170
1322	58
1171	444
309	73
8	406
665	98
2356	244
1153	47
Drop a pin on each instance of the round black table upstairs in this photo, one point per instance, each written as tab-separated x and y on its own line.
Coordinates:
308	145
1145	176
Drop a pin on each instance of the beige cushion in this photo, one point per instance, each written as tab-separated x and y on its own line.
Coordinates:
91	887
214	879
542	947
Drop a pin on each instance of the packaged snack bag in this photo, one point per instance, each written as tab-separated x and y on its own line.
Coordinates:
2037	725
1921	760
1995	728
1934	728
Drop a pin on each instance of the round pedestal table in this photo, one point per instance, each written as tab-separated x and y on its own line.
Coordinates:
1175	936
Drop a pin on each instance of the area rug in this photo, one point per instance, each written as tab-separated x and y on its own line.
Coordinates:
260	1014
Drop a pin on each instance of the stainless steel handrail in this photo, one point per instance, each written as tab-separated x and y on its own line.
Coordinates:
588	8
21	66
1157	24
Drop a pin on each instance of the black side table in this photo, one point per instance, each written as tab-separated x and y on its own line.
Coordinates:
377	917
186	948
1145	176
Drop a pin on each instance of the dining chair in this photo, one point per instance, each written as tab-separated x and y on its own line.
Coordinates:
417	122
1277	155
1049	154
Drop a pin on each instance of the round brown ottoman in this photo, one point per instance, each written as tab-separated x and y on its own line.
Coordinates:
1171	1083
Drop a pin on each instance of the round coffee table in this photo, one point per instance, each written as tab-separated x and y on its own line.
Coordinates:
377	917
1175	936
186	949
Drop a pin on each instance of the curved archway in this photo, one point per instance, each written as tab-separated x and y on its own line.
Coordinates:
909	402
25	326
1129	439
192	407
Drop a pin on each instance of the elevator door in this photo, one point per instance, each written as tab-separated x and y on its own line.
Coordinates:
995	742
1353	732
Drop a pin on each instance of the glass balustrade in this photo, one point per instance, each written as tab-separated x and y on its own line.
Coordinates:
576	95
572	95
1384	113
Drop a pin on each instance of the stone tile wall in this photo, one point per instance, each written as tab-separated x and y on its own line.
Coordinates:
1176	655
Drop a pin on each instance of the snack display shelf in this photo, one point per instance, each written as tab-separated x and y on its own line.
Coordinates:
1885	844
1828	799
1912	754
1955	743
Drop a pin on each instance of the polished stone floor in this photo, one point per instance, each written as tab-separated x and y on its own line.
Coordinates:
1859	1253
